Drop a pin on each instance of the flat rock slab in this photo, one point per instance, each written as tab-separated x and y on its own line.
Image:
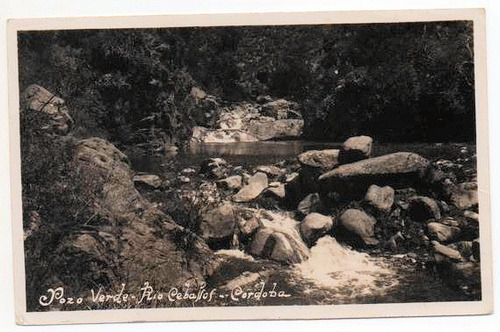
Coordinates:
398	170
256	184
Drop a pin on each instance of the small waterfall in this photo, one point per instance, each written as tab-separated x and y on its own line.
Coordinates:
283	223
331	265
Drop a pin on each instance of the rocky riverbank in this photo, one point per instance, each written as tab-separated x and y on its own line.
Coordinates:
234	225
400	206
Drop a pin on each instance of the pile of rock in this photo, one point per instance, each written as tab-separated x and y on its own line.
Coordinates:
247	122
399	203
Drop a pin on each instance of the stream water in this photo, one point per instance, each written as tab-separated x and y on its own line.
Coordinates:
331	273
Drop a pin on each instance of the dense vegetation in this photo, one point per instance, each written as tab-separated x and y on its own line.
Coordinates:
395	82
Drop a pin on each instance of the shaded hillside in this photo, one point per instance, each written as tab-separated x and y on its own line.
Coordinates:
395	82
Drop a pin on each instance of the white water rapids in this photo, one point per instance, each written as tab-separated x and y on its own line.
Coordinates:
332	265
329	264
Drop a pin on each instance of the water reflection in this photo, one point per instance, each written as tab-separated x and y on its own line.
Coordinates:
264	148
241	153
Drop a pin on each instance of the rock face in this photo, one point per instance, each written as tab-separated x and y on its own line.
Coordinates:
381	198
359	224
256	185
218	224
314	226
41	100
355	149
422	209
398	170
142	225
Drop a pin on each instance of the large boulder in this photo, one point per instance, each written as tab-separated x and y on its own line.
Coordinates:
275	129
314	163
256	185
314	226
40	99
276	245
355	148
358	225
398	170
380	198
218	225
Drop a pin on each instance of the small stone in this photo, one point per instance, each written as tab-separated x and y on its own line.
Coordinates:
215	168
447	252
291	177
270	170
471	216
278	191
476	244
464	196
381	198
355	149
231	182
184	179
442	233
188	171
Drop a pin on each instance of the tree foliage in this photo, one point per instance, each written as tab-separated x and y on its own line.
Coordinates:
396	82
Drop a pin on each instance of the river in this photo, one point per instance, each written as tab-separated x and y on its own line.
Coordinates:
333	273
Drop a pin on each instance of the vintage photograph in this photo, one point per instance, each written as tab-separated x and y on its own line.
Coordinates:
220	166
